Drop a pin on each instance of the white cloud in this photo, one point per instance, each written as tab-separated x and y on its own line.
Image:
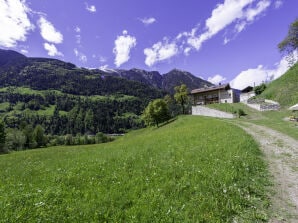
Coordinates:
14	22
102	59
48	31
256	76
226	40
82	57
77	29
251	13
78	35
90	8
159	52
250	77
123	46
104	67
242	12
278	4
52	50
23	51
148	21
216	79
187	51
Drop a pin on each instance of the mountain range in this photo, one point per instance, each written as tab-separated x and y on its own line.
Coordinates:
43	73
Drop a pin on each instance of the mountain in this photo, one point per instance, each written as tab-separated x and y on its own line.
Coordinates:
166	82
177	77
284	89
43	73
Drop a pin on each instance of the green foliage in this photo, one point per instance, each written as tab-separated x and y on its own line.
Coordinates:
2	137
290	44
240	112
15	140
186	171
156	112
284	89
181	96
39	136
259	89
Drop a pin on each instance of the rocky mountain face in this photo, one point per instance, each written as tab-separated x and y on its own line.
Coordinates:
166	82
15	67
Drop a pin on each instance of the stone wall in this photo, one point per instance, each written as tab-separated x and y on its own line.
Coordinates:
204	111
263	104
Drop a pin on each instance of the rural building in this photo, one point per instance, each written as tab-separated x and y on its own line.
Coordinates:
247	93
215	94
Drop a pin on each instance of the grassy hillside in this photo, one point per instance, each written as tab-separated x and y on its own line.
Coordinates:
284	89
272	119
192	170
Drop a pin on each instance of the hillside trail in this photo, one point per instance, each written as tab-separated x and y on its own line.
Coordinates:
281	153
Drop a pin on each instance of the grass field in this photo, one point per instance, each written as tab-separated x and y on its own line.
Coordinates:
273	119
194	169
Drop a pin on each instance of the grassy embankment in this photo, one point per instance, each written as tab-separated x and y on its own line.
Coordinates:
284	89
273	119
192	170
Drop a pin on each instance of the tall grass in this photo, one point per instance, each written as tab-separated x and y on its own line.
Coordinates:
192	170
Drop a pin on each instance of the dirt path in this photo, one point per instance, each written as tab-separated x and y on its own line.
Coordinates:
281	153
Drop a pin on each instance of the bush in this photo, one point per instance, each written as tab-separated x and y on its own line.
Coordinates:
240	112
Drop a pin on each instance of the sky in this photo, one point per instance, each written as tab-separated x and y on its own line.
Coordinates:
222	41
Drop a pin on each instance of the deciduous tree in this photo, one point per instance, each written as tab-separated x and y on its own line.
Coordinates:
156	112
181	96
290	43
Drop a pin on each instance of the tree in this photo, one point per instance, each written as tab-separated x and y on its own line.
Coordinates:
259	89
290	43
156	112
15	139
39	137
2	137
181	96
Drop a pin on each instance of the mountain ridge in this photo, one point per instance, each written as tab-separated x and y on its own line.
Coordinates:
15	63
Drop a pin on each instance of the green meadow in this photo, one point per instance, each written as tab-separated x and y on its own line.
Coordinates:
194	169
277	120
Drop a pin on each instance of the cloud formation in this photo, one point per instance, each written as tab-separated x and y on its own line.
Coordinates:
78	35
260	74
216	79
48	31
90	8
148	21
160	51
123	46
278	4
52	50
14	22
82	57
238	13
231	11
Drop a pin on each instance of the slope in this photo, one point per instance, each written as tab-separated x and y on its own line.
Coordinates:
284	89
186	171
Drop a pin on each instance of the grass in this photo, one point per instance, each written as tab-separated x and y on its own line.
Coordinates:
195	169
272	119
284	89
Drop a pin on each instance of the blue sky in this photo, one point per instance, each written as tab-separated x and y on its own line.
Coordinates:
219	40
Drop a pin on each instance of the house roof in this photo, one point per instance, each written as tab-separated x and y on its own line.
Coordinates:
213	88
247	89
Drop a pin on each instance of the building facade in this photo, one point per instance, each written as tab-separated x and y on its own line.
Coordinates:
215	94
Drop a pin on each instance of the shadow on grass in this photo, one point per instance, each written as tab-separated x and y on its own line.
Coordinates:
167	122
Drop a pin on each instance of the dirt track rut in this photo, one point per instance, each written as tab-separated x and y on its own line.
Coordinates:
281	153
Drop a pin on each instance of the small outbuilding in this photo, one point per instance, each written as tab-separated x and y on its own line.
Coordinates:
247	93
